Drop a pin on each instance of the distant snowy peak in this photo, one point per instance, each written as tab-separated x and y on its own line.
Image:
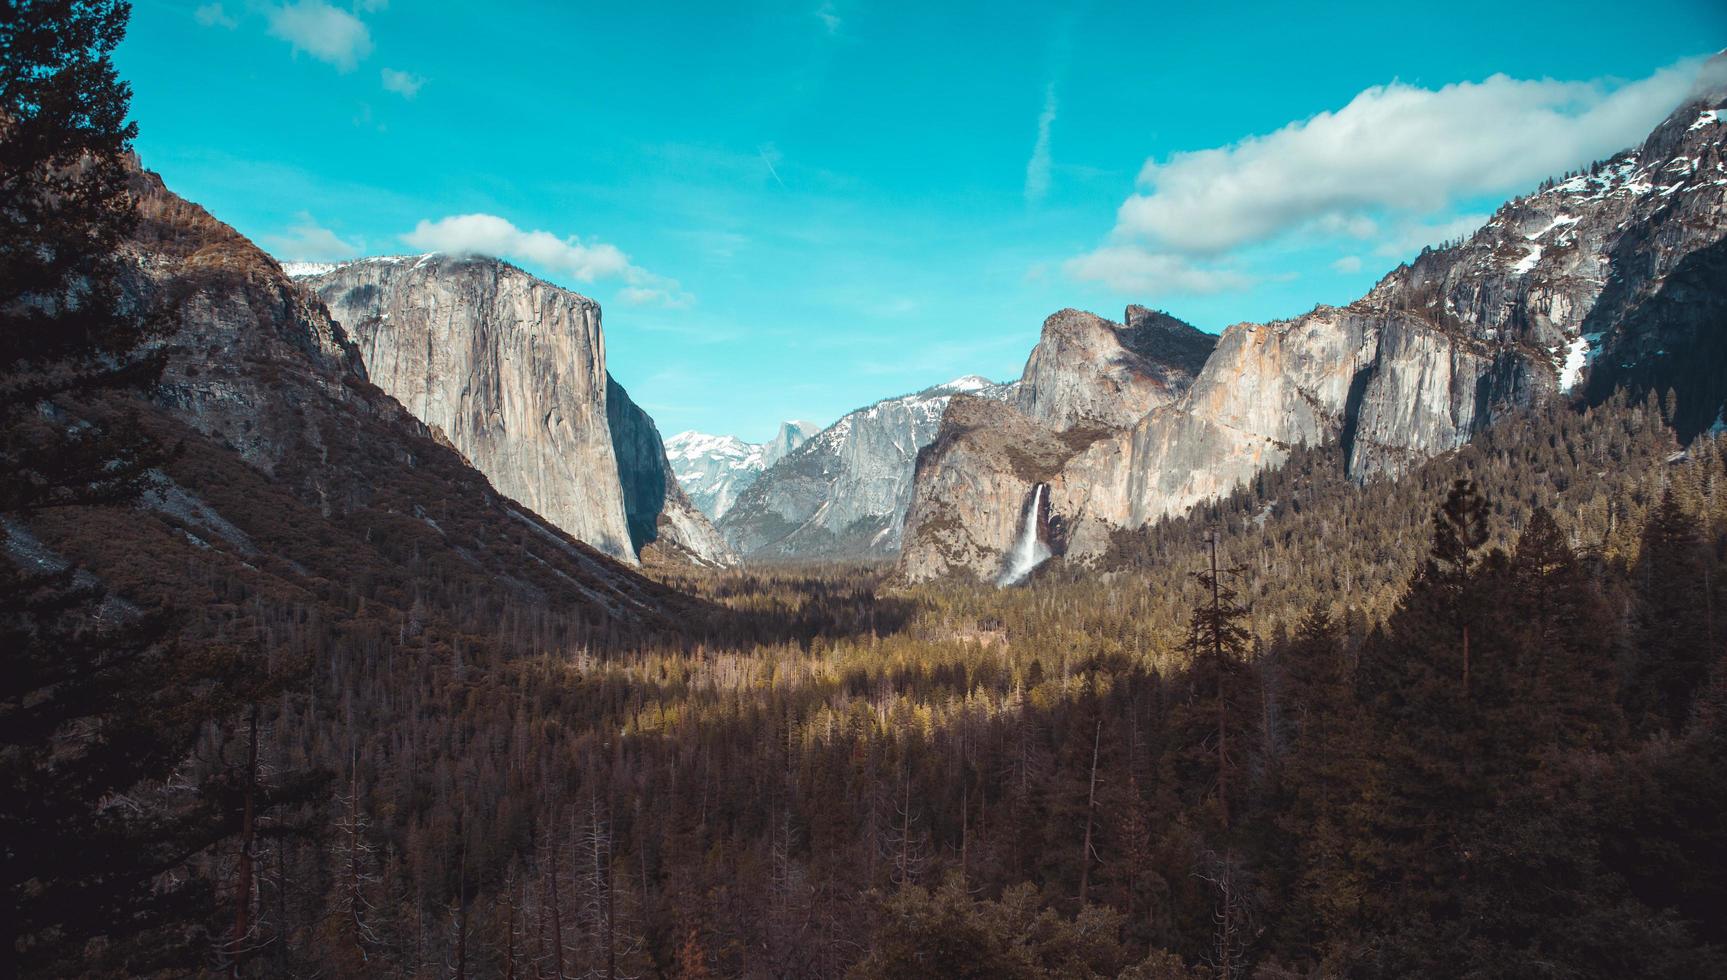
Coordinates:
715	469
843	494
694	446
968	385
1546	270
309	270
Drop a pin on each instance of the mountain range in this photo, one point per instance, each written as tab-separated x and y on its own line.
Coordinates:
843	493
714	470
1609	278
1606	278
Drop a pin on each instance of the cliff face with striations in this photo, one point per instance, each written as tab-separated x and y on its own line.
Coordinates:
297	472
844	493
661	517
511	370
1602	279
716	470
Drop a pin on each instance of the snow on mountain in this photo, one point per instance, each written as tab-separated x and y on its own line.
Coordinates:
844	493
714	470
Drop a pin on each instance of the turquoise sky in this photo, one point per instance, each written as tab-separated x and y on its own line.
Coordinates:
790	210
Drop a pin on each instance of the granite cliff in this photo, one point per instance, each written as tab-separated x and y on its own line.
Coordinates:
297	476
511	370
1607	277
715	470
844	492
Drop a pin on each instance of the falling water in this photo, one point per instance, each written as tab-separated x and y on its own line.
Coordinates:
1029	551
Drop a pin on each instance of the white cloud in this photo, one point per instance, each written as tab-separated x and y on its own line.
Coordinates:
308	241
487	234
405	84
1410	237
1132	269
829	15
212	15
771	155
1347	265
1394	147
1038	167
322	31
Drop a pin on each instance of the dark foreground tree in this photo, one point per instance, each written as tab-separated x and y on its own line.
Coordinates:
97	705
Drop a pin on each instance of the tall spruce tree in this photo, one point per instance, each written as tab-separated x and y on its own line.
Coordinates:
1673	629
1415	842
97	703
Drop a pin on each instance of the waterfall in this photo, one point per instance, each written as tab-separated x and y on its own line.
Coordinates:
1029	551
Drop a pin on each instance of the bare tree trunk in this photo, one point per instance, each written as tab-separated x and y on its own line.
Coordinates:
1465	661
964	828
1090	806
1222	701
557	913
243	882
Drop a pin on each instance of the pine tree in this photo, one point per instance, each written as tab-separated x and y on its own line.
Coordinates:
1328	764
97	702
1673	634
1414	841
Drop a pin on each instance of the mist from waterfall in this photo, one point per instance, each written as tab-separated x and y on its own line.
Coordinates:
1029	551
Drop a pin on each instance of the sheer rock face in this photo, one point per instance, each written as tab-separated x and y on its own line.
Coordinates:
972	483
1086	383
716	470
260	379
660	516
1560	291
1089	371
511	370
844	493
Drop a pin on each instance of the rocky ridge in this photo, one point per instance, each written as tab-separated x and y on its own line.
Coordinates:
1561	290
511	371
715	470
295	470
844	492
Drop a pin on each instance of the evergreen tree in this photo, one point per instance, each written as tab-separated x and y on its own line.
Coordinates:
1675	645
97	701
1328	763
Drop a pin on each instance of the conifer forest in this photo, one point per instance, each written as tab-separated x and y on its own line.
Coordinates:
292	687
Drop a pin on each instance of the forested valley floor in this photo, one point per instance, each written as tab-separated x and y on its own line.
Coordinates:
1466	722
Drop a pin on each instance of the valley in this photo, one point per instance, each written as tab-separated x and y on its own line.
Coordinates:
358	621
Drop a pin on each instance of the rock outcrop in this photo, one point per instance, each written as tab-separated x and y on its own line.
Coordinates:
1087	381
1566	288
844	493
660	516
511	370
301	478
715	470
1088	371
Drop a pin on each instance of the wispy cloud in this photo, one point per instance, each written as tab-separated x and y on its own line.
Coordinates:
829	15
322	31
1132	269
1037	169
1396	147
770	155
405	84
307	241
1348	264
487	234
212	15
1389	168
